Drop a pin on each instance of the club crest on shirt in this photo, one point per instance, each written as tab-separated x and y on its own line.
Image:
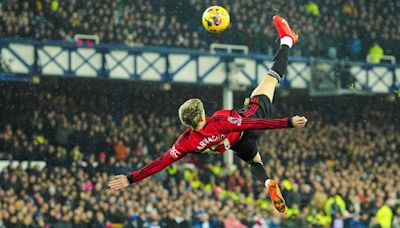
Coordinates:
235	120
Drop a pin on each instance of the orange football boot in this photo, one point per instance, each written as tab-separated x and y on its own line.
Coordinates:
276	196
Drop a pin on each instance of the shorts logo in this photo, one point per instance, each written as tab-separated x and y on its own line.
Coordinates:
237	121
174	152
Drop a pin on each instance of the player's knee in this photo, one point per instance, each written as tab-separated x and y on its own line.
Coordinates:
266	87
256	159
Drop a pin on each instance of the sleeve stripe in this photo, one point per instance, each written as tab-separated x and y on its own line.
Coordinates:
271	122
253	108
143	171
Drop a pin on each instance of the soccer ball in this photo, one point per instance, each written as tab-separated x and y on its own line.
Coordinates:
215	19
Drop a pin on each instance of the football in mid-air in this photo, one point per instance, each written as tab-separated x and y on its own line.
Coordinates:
215	19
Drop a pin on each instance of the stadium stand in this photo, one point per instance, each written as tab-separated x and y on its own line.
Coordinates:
339	170
342	28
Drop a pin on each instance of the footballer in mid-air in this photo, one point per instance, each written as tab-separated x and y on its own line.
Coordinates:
238	130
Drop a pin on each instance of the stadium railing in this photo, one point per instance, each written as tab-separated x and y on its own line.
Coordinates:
28	58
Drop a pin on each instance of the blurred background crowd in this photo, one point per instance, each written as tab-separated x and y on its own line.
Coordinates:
336	28
340	171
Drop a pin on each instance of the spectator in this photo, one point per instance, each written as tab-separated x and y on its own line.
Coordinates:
355	47
375	54
384	216
396	219
312	8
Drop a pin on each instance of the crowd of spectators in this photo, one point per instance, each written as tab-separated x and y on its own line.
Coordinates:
340	170
345	28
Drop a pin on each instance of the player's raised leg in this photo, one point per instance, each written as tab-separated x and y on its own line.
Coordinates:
267	87
287	39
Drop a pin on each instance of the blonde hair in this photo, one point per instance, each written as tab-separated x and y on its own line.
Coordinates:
190	112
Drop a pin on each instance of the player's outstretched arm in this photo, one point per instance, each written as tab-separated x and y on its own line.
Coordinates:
171	156
241	124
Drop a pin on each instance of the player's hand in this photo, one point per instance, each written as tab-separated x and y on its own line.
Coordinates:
120	181
299	121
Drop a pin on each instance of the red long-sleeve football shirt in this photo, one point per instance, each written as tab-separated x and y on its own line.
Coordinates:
221	131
